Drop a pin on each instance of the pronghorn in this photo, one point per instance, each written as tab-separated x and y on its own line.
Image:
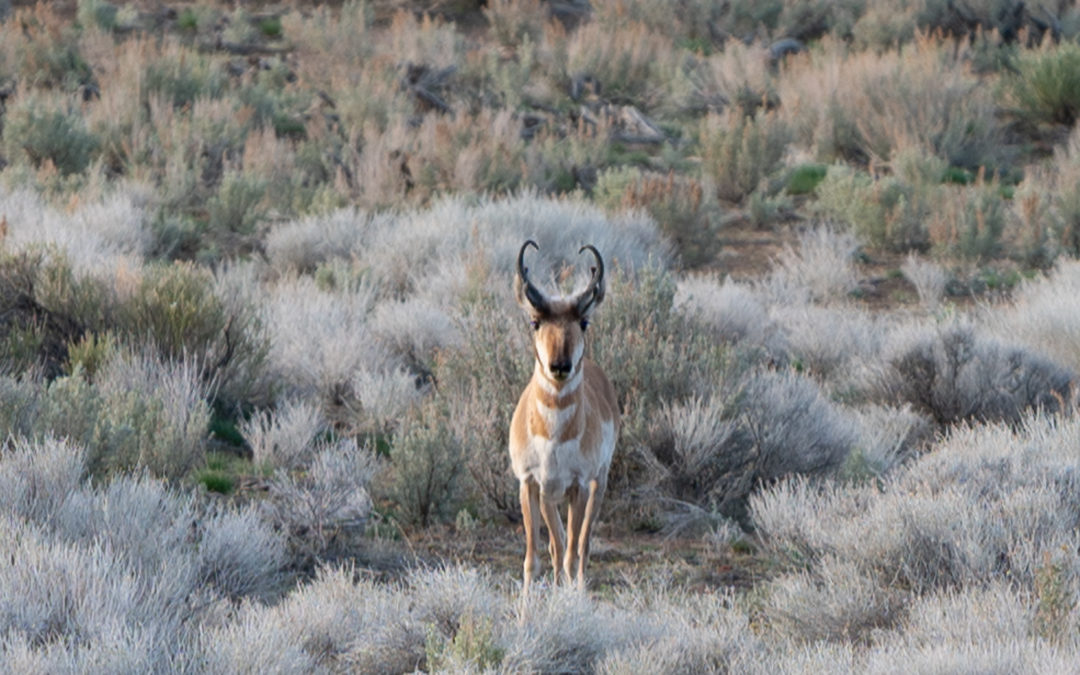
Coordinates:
563	432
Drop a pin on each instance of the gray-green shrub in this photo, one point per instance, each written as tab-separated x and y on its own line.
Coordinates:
953	374
116	575
40	131
330	498
739	149
139	412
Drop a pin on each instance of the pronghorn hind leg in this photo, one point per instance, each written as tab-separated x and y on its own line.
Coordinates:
556	534
597	487
575	516
530	512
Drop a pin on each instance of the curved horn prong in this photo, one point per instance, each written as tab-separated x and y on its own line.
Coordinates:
531	293
592	295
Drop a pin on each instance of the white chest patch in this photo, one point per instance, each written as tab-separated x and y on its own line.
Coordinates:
556	418
556	466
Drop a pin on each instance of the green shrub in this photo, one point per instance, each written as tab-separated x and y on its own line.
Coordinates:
235	209
426	467
1046	86
739	150
188	20
1055	599
44	307
474	645
89	353
98	13
176	307
216	481
48	131
270	27
889	213
805	178
682	207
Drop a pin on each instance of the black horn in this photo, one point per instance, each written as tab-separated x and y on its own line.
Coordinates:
531	292
592	295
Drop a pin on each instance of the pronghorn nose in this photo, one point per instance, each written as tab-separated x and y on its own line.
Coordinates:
560	369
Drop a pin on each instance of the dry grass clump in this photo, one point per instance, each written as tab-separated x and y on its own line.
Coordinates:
739	76
928	278
283	438
821	270
1038	318
514	21
836	602
733	313
971	221
456	618
713	453
628	62
1047	205
41	49
94	235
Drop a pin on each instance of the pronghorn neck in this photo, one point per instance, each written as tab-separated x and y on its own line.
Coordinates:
556	413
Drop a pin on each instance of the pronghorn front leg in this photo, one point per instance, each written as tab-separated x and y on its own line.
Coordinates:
530	518
575	517
597	487
555	532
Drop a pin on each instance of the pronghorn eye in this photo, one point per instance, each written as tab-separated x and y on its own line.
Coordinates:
584	324
534	324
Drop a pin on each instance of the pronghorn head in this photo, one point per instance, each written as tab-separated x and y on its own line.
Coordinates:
559	324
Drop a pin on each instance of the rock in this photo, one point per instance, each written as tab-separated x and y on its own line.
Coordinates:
781	49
